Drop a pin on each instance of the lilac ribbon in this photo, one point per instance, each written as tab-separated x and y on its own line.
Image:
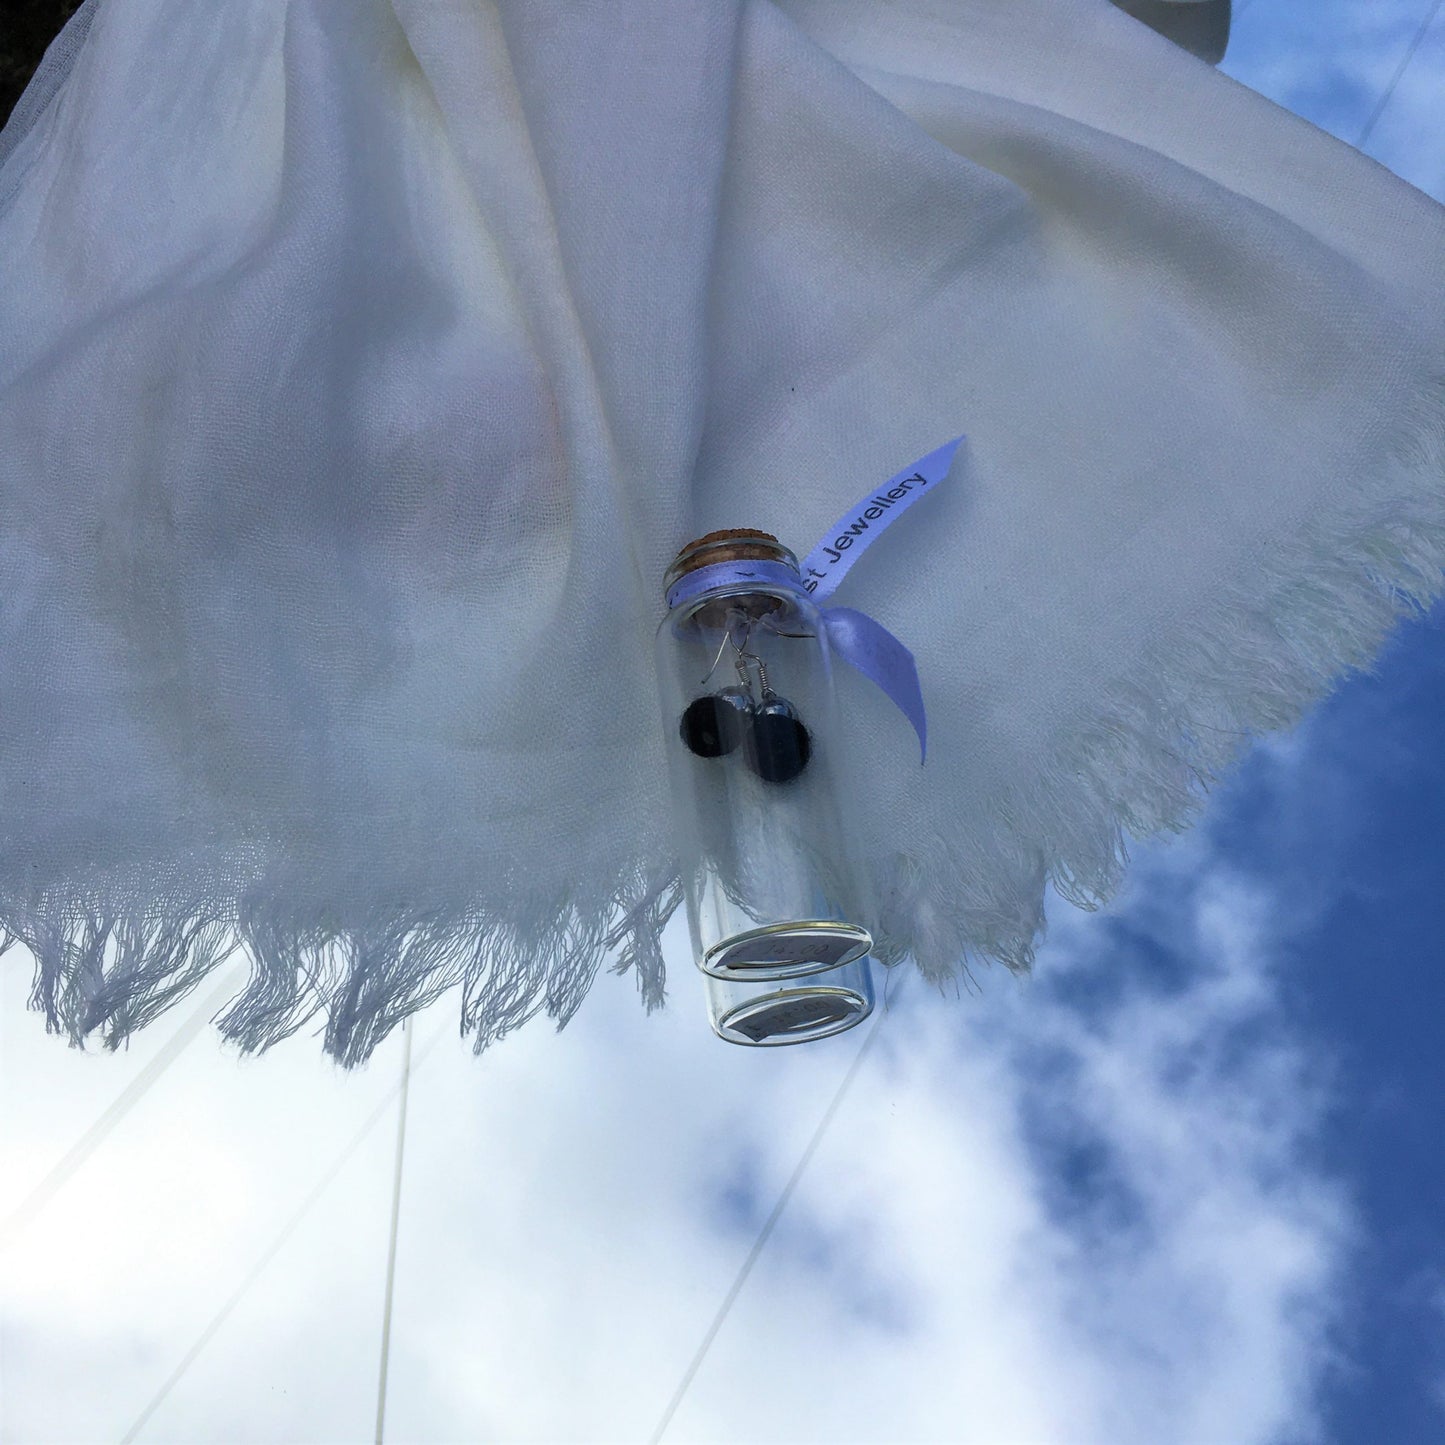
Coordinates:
852	635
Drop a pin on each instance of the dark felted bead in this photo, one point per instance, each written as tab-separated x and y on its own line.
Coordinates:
778	745
713	726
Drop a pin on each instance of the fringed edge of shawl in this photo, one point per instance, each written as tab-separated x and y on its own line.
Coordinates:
107	974
1314	606
1293	618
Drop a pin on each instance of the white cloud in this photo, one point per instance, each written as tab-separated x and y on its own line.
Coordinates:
576	1207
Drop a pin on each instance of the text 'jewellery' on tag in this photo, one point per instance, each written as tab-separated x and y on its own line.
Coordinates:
863	523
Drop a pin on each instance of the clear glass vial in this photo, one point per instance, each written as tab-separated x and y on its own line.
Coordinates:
751	730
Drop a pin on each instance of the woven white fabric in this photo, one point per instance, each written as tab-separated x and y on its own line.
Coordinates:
363	363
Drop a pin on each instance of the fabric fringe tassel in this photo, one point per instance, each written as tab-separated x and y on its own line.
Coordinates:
105	975
1304	611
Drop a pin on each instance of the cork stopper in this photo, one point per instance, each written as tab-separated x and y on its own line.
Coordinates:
734	544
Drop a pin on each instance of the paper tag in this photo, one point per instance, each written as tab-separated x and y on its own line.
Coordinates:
852	534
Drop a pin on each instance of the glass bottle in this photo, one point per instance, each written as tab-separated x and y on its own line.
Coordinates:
773	894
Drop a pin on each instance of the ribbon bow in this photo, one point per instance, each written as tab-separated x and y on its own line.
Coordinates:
853	636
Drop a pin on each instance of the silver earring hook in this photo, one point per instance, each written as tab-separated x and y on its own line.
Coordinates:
743	662
727	638
778	631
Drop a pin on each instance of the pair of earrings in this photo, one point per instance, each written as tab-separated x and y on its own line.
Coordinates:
775	744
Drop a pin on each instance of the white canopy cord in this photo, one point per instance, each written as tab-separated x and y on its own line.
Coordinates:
1400	70
735	1289
124	1102
391	1242
276	1245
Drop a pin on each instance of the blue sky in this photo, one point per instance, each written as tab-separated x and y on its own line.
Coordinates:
1364	979
1350	831
1183	1185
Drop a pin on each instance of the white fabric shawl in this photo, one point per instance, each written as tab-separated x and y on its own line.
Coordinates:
363	363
